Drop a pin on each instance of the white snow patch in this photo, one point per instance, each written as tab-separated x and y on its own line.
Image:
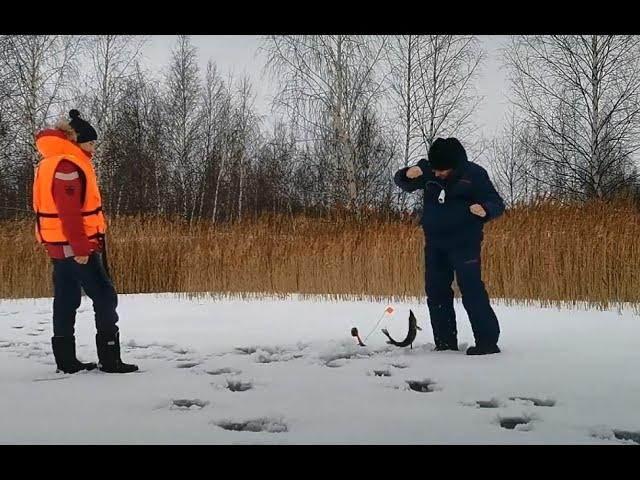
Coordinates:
288	371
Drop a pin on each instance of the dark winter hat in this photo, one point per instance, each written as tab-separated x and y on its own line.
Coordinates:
85	131
446	153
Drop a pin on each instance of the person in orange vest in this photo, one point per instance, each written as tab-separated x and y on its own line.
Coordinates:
71	225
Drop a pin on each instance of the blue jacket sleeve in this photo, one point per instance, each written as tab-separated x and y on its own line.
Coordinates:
488	197
411	185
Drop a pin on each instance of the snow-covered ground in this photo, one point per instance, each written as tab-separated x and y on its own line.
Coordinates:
288	371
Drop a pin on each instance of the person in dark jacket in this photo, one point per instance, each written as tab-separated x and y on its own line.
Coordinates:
459	199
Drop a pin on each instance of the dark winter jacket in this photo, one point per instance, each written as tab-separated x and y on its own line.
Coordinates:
448	221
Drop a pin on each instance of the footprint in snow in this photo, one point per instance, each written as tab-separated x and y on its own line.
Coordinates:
187	404
536	401
238	386
422	386
520	423
269	425
187	365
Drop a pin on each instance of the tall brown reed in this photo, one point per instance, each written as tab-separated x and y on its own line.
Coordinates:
546	253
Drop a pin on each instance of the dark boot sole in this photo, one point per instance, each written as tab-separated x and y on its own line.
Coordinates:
85	366
483	352
118	370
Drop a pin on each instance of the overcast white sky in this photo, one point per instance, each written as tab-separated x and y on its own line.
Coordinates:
240	55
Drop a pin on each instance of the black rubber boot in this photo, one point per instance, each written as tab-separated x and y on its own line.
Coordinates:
109	355
64	351
483	350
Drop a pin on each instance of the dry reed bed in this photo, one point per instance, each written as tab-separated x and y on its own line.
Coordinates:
546	254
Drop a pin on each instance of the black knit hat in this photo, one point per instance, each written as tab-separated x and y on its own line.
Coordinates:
85	131
446	153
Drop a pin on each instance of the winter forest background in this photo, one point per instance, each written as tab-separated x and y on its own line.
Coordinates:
193	158
348	111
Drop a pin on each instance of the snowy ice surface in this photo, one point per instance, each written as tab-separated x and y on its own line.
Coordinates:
289	372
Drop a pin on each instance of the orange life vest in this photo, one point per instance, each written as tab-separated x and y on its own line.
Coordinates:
55	147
